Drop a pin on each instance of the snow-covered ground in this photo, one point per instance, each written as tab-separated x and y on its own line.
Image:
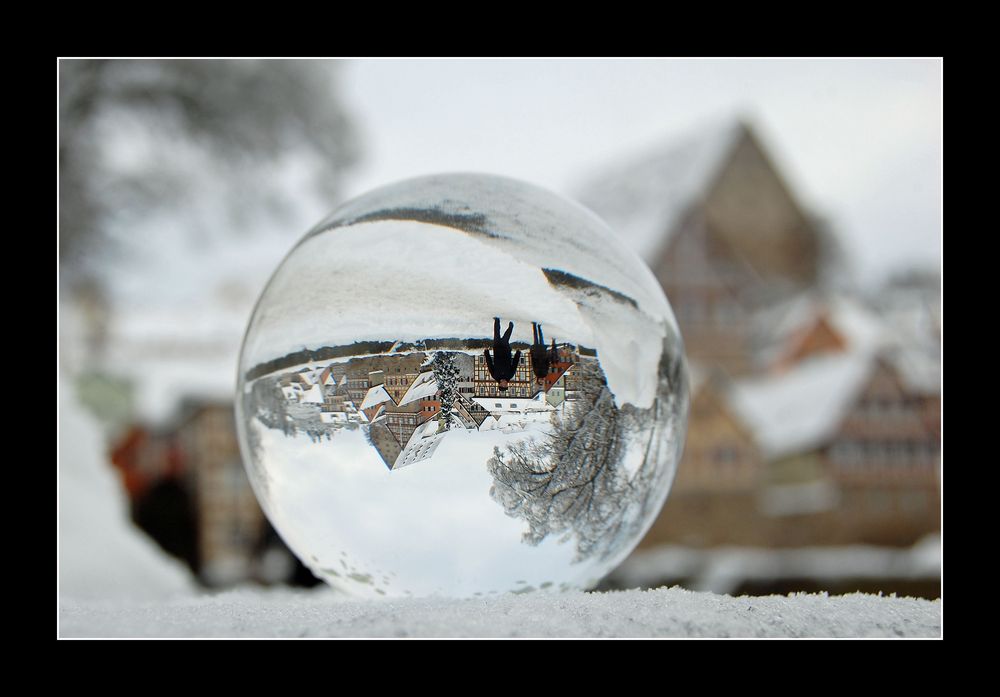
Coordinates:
665	612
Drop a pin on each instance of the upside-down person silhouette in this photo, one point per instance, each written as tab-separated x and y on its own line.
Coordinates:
539	355
501	366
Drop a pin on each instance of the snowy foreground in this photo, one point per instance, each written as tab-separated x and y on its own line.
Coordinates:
665	612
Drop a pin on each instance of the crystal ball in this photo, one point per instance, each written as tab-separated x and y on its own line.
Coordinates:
461	385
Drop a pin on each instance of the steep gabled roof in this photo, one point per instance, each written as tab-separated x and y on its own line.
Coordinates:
424	387
643	200
776	328
375	395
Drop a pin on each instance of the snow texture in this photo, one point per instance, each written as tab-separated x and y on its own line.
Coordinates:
665	612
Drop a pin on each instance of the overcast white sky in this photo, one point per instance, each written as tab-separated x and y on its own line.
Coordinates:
859	140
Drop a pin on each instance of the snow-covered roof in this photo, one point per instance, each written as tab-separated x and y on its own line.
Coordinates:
424	387
305	376
919	370
913	309
861	327
314	395
417	451
375	395
644	200
800	409
377	416
421	446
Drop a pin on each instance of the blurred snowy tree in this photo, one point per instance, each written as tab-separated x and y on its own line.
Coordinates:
205	146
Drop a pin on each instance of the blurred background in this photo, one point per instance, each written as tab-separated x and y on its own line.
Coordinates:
791	210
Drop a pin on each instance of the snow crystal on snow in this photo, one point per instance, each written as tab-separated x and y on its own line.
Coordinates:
664	612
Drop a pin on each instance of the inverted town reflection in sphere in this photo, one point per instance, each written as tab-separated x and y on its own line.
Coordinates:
461	385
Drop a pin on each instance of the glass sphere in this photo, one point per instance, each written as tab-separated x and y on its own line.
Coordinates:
461	385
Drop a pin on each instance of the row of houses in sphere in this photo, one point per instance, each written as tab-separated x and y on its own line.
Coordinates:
397	398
